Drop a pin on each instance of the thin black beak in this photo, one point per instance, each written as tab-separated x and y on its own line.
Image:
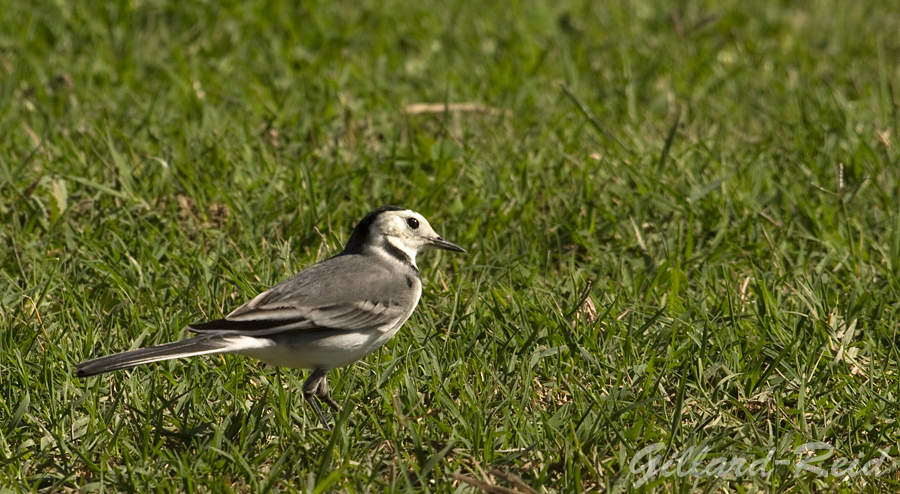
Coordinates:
440	243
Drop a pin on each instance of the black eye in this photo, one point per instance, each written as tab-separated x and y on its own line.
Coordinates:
412	222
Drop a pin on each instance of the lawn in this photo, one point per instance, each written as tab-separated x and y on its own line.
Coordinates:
682	224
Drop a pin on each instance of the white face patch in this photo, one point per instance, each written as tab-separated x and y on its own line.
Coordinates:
406	230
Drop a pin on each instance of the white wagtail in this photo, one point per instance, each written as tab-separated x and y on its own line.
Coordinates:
328	315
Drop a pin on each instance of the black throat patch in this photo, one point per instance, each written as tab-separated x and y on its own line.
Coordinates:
398	254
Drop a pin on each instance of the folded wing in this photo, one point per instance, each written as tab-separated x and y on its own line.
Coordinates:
323	297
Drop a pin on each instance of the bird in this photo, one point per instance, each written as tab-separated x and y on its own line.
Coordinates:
327	316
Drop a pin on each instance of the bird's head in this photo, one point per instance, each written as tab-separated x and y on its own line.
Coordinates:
392	227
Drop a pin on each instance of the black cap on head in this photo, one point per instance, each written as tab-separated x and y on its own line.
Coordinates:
360	235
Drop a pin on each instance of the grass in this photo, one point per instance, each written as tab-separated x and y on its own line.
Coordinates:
682	224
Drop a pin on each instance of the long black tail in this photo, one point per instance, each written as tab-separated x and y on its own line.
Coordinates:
200	345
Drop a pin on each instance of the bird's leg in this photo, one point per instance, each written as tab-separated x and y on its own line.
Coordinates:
312	401
324	394
316	386
311	388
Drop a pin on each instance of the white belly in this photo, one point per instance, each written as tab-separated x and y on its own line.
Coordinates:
319	348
